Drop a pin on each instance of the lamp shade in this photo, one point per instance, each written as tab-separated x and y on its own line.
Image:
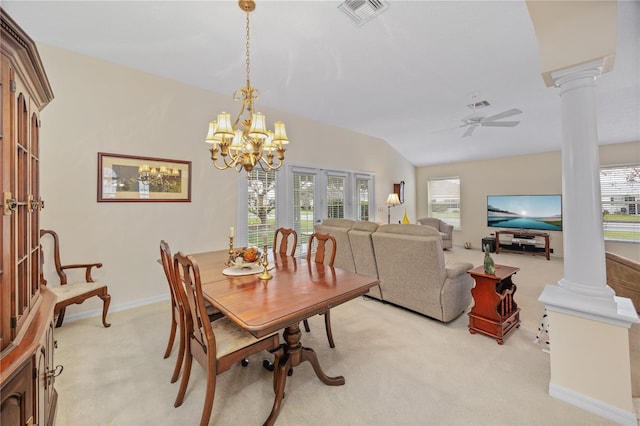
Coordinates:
224	128
237	140
279	133
211	134
258	128
393	199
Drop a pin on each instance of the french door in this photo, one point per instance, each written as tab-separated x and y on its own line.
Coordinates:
299	197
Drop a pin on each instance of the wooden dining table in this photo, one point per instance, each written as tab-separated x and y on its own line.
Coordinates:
297	291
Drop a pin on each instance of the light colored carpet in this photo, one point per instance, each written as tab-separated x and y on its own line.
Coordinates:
400	369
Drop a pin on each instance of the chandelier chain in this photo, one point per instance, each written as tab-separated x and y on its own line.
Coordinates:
247	50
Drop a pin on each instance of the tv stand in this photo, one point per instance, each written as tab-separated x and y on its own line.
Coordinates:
524	242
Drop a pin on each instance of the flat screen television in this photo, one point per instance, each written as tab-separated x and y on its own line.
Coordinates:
535	212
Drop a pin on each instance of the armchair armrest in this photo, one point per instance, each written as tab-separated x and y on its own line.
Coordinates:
87	274
446	228
458	268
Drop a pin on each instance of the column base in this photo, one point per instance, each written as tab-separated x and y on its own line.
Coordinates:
594	406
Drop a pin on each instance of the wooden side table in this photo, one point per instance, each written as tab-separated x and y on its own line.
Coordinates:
494	313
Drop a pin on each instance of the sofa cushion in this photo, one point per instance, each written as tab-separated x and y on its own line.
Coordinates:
339	229
409	229
362	248
363	225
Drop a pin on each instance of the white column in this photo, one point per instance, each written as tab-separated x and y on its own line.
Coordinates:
588	325
584	260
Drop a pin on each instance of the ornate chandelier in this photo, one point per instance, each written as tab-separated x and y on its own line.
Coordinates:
246	142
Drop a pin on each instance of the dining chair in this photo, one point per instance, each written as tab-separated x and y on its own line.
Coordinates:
177	312
283	235
216	345
324	243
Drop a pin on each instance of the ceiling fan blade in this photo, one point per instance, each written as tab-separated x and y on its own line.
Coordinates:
500	124
469	131
447	129
504	114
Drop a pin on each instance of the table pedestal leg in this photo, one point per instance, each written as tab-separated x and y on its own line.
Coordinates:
294	354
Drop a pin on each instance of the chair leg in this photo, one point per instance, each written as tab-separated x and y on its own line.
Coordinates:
306	326
182	343
327	326
60	317
186	372
211	391
106	300
172	335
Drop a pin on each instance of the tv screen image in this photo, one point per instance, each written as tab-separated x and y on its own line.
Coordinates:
538	212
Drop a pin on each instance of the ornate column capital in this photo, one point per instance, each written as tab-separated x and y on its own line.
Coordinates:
587	71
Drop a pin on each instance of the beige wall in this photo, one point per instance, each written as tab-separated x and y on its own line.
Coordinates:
527	174
102	107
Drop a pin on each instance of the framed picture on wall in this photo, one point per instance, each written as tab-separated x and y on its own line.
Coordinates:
133	178
398	188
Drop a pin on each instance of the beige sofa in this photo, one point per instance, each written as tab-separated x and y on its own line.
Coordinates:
445	230
409	262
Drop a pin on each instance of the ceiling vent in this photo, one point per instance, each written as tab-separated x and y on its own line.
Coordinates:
362	11
480	104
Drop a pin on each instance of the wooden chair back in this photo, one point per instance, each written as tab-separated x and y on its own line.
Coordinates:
177	310
167	265
322	241
282	236
197	323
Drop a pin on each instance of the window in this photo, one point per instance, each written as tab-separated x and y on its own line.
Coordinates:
335	197
261	206
362	197
444	200
303	191
620	196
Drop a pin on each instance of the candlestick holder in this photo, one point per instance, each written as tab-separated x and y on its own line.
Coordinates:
230	259
265	275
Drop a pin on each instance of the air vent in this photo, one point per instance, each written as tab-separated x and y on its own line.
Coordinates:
480	104
362	11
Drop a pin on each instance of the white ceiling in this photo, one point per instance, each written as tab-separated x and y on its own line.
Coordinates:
401	77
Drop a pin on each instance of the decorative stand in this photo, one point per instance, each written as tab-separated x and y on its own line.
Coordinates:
494	313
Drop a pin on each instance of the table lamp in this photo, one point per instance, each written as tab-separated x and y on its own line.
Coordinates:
392	200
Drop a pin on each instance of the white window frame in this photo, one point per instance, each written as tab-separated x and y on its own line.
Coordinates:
457	224
620	188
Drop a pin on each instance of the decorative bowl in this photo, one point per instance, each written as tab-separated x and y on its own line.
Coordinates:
246	258
241	263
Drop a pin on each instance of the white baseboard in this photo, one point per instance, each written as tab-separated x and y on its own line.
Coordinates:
615	414
115	308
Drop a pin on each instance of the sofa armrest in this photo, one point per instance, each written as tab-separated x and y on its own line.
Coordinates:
458	268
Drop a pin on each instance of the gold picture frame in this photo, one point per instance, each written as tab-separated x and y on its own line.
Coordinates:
142	179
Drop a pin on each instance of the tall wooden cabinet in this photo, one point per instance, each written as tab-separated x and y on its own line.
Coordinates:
27	393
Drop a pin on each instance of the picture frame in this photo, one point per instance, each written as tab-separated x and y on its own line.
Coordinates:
130	178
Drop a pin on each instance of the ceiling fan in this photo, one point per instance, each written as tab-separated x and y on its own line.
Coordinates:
475	121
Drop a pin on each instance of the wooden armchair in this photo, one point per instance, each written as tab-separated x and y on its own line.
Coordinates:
74	293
